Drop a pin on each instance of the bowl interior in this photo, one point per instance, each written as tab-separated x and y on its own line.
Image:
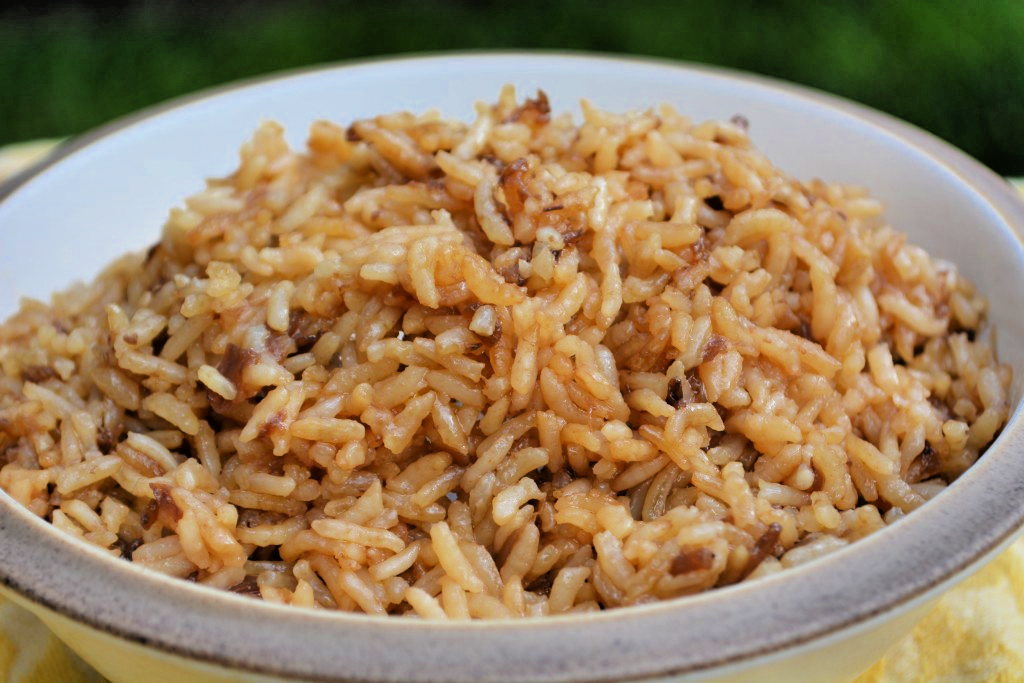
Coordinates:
111	193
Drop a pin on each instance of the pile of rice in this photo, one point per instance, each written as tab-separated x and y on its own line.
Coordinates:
512	368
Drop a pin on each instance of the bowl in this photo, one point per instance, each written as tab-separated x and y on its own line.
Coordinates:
108	192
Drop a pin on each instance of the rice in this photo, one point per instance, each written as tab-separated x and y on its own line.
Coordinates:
512	368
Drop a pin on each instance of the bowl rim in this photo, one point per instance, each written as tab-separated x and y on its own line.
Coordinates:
792	609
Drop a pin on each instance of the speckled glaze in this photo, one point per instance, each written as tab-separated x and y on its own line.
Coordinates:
827	620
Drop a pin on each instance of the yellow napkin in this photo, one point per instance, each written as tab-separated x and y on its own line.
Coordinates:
16	158
974	633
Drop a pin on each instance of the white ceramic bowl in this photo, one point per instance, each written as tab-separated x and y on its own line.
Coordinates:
109	192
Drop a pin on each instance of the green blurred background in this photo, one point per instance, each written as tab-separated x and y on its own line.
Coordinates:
954	67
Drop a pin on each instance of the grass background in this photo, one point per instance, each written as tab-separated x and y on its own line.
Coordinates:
954	67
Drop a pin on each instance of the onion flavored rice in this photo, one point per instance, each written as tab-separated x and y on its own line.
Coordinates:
512	368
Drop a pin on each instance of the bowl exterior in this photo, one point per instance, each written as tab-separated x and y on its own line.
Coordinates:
122	661
839	659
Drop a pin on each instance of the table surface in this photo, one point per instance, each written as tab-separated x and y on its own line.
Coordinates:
974	633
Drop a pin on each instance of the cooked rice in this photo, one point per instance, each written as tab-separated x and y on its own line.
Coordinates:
510	368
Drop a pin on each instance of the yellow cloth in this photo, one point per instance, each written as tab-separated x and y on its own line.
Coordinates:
974	633
16	158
